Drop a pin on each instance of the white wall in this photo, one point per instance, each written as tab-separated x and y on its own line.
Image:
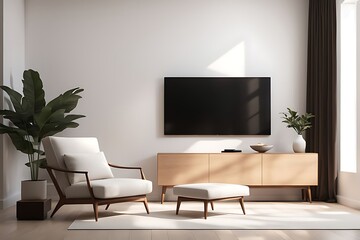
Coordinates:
119	52
348	194
12	162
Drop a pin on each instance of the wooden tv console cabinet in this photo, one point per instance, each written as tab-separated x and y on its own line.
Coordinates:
251	169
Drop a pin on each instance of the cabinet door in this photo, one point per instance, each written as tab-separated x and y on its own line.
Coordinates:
298	169
182	168
239	168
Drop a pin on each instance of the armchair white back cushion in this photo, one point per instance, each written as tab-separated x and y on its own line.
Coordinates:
94	163
56	147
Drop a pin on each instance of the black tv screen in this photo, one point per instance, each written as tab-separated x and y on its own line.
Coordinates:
217	106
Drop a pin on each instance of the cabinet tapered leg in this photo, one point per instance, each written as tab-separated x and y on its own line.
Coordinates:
309	194
163	194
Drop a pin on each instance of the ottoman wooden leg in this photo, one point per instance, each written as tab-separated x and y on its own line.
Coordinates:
205	208
241	200
212	205
178	205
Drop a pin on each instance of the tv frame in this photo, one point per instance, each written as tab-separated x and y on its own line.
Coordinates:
264	131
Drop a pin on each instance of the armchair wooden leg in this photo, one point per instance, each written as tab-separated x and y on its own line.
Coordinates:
57	207
96	211
212	205
146	205
107	206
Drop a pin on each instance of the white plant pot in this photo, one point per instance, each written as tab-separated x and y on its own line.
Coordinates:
299	144
33	190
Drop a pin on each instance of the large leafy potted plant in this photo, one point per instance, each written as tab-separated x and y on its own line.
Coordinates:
299	123
31	119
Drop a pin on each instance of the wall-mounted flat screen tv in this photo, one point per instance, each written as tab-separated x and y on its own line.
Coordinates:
217	106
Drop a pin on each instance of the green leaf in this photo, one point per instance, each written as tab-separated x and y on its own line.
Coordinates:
34	95
57	116
15	98
48	115
33	130
17	137
8	113
72	117
51	129
19	119
41	163
49	122
21	144
67	101
298	123
42	117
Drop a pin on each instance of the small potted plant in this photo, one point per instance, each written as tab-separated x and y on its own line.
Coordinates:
30	119
299	124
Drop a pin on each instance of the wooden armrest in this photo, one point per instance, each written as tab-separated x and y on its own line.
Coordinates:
125	167
65	170
53	178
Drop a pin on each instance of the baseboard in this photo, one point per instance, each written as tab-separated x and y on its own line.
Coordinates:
349	202
9	201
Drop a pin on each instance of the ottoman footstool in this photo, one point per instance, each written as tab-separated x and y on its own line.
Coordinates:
210	192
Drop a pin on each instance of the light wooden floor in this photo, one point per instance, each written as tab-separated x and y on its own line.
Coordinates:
56	228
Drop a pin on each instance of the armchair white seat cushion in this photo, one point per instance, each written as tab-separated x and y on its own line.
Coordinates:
110	188
94	163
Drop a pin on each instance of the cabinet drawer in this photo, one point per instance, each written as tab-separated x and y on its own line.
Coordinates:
182	168
290	169
239	168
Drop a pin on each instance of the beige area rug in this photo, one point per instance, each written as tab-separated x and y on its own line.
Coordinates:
227	215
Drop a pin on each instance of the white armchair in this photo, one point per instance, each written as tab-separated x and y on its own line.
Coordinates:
82	175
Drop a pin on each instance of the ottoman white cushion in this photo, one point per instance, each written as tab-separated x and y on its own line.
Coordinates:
211	190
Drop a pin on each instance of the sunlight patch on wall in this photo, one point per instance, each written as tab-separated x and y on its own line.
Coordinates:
232	63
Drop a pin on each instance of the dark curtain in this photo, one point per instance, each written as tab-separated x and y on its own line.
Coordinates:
321	93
